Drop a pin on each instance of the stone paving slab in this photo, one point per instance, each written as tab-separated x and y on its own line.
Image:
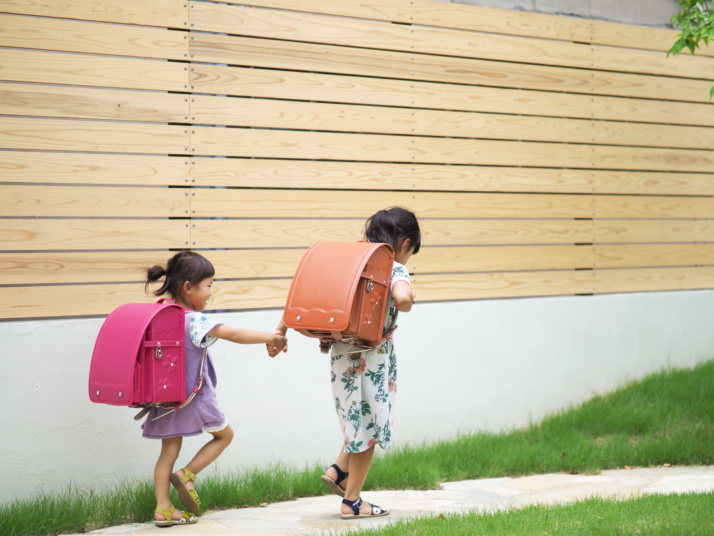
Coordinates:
320	515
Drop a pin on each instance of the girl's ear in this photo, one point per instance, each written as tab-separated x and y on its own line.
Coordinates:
186	287
405	244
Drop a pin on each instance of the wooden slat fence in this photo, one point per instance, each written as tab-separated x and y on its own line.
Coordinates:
543	155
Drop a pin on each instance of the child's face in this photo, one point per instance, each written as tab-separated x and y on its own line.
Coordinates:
197	296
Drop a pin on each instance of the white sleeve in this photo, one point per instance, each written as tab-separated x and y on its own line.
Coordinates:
199	327
399	273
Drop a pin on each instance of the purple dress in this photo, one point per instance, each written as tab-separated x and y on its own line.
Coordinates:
203	413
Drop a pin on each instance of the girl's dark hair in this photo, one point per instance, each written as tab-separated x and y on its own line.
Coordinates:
393	226
184	266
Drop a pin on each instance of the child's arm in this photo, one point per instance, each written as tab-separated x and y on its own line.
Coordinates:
402	296
248	336
280	331
282	328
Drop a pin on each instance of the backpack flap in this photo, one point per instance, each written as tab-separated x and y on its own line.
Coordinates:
322	294
370	300
139	355
162	357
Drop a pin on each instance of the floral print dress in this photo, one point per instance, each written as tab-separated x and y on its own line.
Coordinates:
364	385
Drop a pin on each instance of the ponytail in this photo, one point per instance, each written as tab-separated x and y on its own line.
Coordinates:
153	274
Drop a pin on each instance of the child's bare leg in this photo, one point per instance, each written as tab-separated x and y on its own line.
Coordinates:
170	448
208	453
360	462
343	462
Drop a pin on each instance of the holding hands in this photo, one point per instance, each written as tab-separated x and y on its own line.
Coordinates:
278	343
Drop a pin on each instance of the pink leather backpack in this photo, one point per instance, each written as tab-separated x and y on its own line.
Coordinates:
139	356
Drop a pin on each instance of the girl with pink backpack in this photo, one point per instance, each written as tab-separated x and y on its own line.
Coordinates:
187	279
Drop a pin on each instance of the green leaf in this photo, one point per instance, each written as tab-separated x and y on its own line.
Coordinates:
676	48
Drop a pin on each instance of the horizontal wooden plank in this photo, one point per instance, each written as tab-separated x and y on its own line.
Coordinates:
648	86
245	51
38	33
92	168
312	174
98	300
426	12
475	286
525	258
430	13
270	113
385	10
25	302
255	263
276	84
75	267
528	49
642	110
288	144
651	255
129	266
292	25
557	53
460	259
650	183
85	103
91	234
646	159
229	203
440	287
651	231
607	58
653	207
653	279
250	294
92	136
620	133
638	37
280	233
267	233
63	301
84	202
430	150
91	70
317	28
161	13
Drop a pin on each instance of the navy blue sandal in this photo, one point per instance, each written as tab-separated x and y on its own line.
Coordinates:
377	511
334	485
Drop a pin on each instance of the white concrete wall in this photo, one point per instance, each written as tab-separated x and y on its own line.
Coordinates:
649	13
483	365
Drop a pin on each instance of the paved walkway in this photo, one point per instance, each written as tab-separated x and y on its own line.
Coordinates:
320	515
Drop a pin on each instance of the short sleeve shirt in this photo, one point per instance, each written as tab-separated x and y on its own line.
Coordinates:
399	273
199	327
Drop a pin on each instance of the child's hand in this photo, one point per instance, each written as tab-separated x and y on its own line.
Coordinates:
279	342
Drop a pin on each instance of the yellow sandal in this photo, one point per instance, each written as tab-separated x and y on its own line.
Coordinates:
186	518
188	497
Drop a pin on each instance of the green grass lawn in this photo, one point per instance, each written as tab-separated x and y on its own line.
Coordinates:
666	515
665	418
